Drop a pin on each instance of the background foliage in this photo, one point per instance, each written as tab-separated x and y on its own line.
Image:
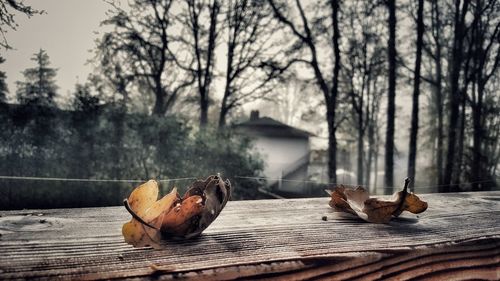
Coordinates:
104	142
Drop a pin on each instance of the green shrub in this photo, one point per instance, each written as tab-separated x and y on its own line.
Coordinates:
107	143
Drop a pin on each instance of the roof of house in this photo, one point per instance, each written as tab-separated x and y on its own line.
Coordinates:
267	126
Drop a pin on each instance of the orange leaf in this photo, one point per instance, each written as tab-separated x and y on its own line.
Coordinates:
172	216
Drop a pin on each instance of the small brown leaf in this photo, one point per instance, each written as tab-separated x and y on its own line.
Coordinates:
339	200
357	201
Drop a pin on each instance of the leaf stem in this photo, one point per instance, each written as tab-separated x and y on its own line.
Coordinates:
403	196
135	216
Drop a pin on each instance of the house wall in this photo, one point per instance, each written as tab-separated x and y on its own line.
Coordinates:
279	153
295	182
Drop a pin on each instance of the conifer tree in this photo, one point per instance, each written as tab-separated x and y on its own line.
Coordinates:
39	87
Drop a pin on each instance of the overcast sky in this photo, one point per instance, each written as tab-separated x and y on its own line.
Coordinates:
66	32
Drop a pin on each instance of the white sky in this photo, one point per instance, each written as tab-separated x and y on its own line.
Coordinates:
66	32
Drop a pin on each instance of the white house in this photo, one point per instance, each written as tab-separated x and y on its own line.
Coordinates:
291	167
284	149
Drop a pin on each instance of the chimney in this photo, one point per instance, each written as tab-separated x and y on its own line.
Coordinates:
254	115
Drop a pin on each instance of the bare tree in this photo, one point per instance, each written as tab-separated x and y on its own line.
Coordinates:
475	23
140	51
437	85
372	118
249	31
361	66
416	92
434	46
454	94
332	98
307	38
293	101
201	23
391	96
484	54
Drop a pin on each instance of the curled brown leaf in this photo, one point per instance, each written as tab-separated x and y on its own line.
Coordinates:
173	216
357	201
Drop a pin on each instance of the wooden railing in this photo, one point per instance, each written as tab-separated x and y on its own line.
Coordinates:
458	237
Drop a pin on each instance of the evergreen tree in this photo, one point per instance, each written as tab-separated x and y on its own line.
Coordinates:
39	87
3	85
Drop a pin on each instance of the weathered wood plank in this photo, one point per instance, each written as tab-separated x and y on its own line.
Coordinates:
279	239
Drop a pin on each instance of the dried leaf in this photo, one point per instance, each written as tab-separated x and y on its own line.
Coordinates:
173	216
357	201
339	201
142	202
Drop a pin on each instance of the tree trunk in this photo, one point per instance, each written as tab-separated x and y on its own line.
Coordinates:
460	151
332	107
203	111
480	154
438	92
332	146
371	143
369	159
371	147
224	108
361	151
204	73
454	94
477	157
440	130
375	166
159	107
227	88
391	97
372	120
412	157
222	115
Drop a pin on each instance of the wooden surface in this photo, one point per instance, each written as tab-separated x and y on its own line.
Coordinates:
458	237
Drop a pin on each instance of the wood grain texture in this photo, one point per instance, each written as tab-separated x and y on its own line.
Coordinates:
457	238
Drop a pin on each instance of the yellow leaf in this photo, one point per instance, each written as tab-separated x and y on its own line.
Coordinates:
143	197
